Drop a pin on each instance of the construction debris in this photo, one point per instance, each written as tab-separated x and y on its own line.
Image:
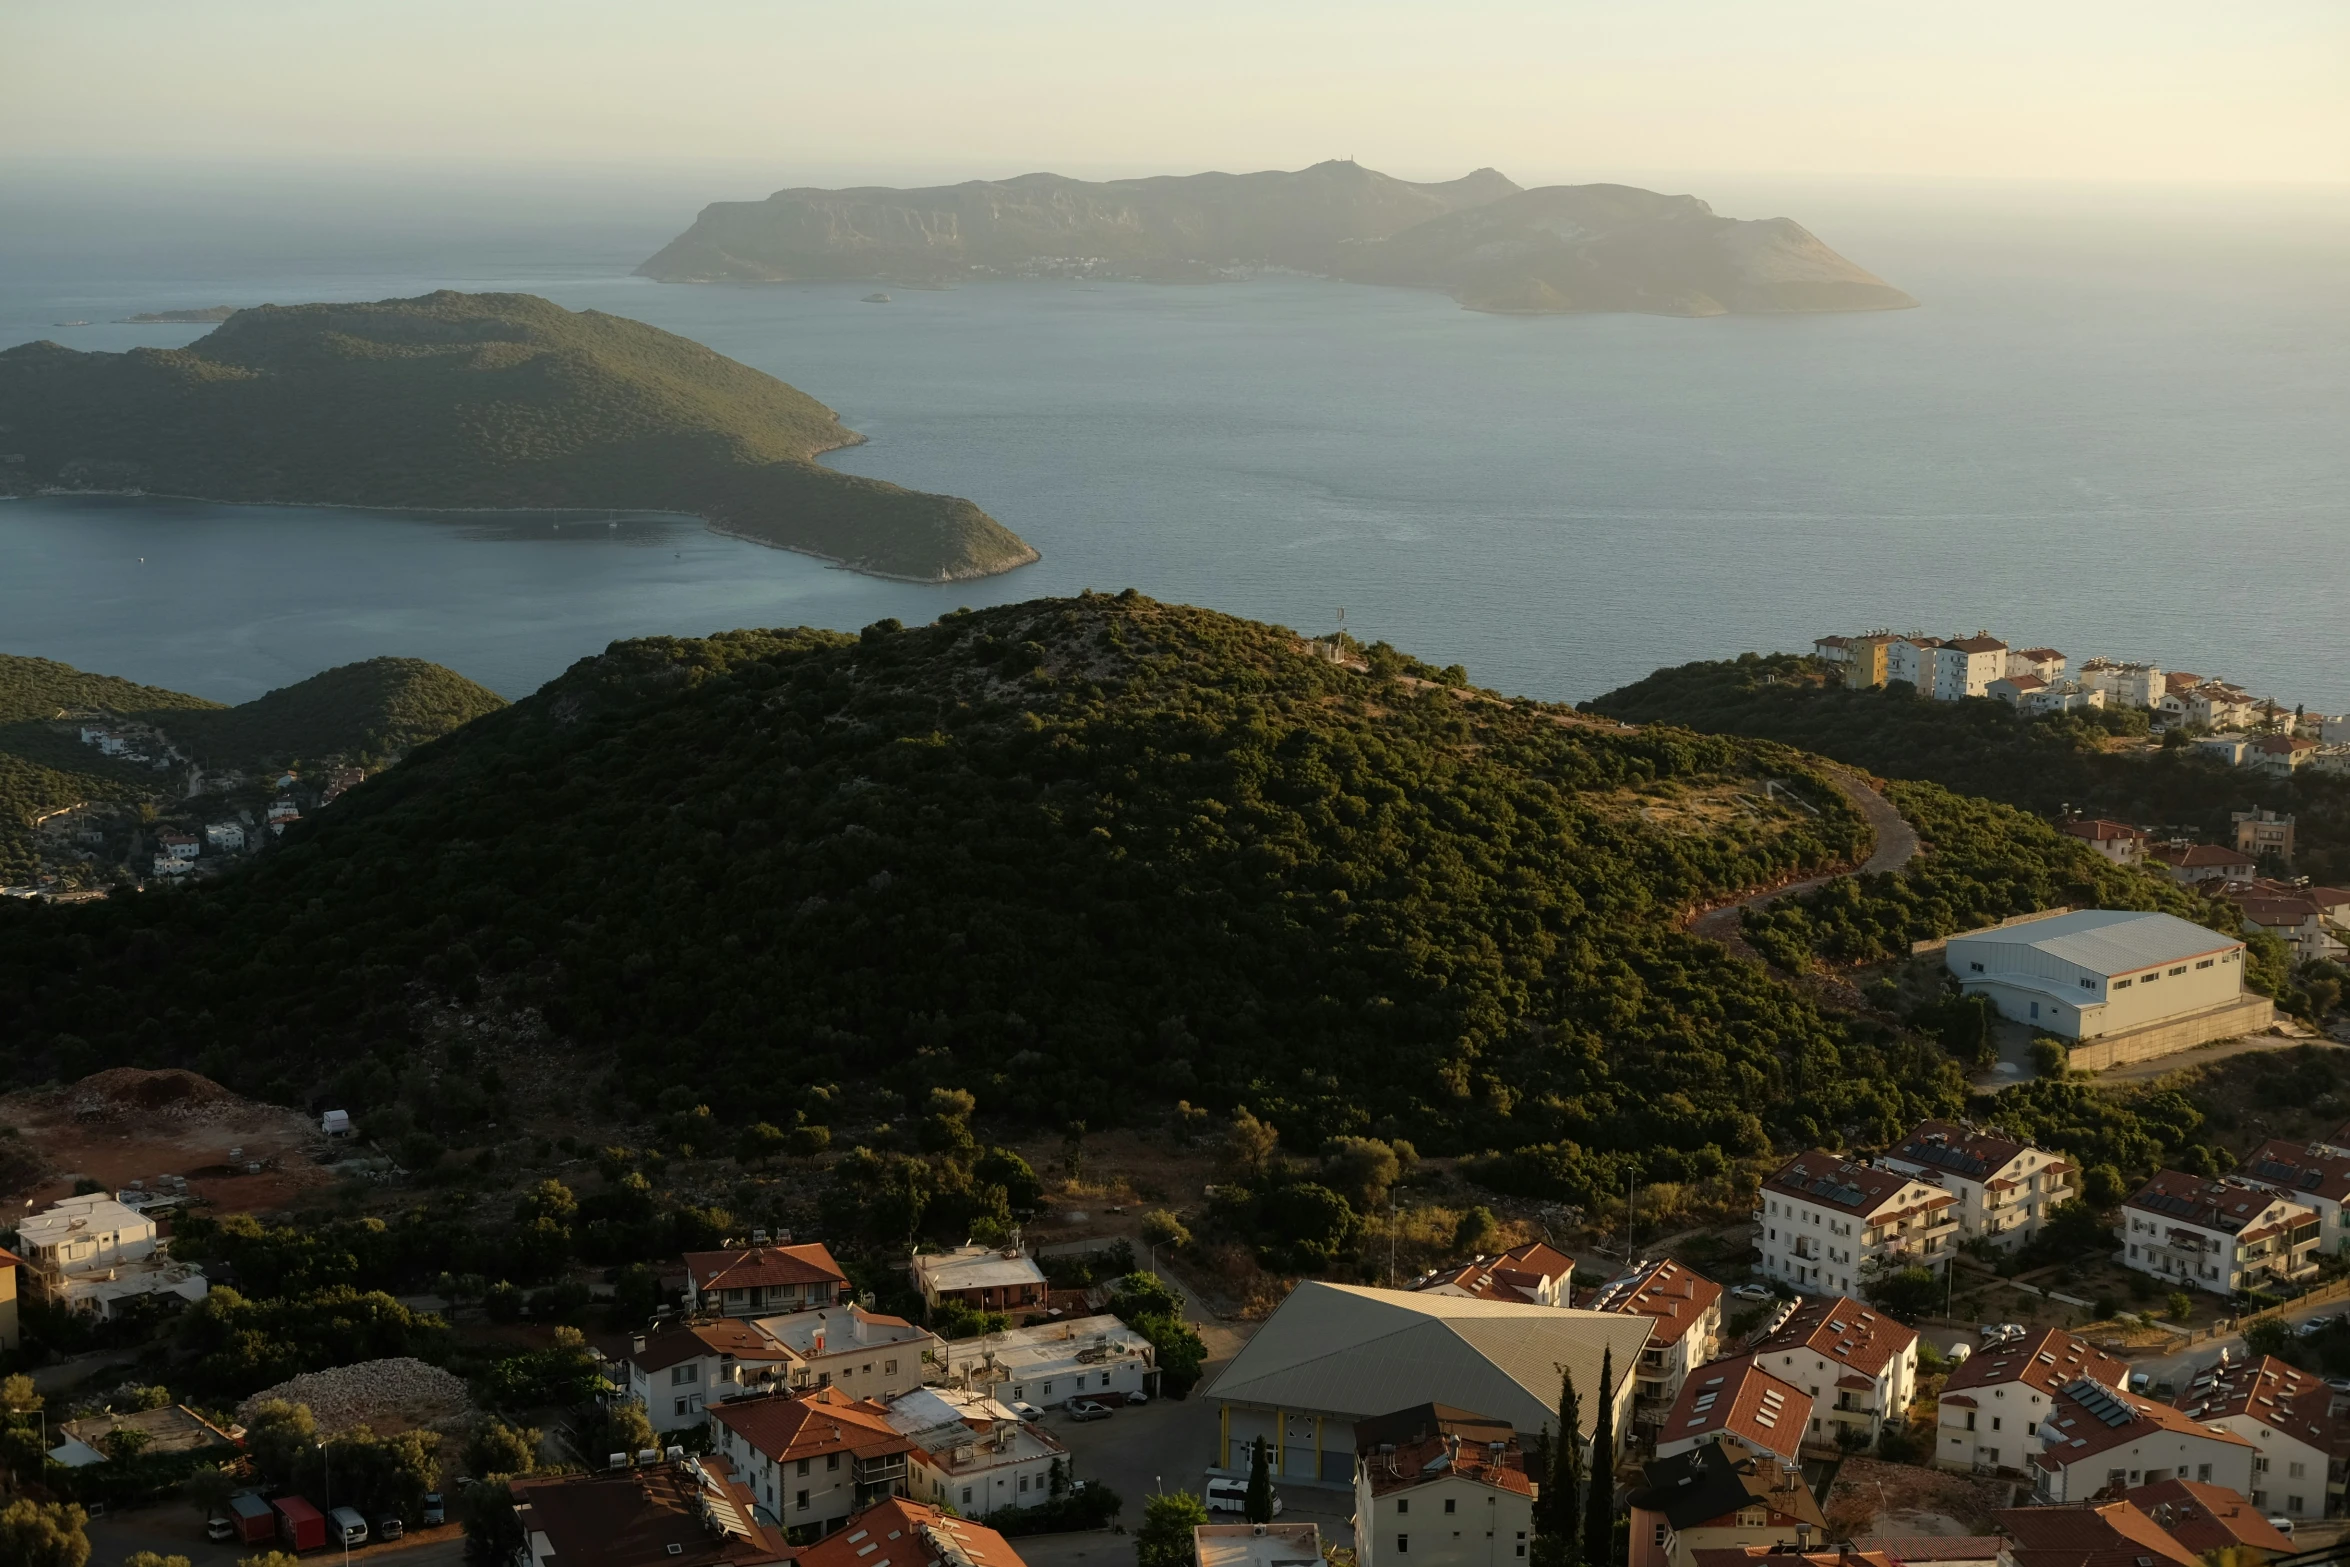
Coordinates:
384	1395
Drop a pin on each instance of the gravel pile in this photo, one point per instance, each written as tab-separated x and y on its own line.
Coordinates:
386	1395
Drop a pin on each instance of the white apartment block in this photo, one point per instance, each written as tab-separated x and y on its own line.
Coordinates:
2220	1235
2006	1189
91	1253
1858	1366
2043	662
1826	1224
2096	1437
1988	1418
1436	1488
2125	685
2284	1414
1947	669
973	1453
1054	1362
1687	1312
2099	971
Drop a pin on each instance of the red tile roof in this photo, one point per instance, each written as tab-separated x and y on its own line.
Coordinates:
2225	1204
694	1340
2109	1534
1829	1181
2075	1433
2206	1518
1666	1292
1740	1398
825	1421
762	1265
1518	1274
1977	644
1408	1465
2193	856
2045	1360
2098	830
694	1514
2298	1170
2288	1401
899	1533
1842	1331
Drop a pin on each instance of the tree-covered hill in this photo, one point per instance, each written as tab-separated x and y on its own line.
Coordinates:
1983	747
1083	857
42	688
475	401
378	708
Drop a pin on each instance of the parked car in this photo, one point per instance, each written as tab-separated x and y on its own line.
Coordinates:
2282	1525
1087	1409
220	1527
2141	1382
1132	1399
1231	1496
1026	1410
345	1527
1749	1292
2312	1326
436	1511
390	1527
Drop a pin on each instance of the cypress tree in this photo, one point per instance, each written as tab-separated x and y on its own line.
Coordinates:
1558	1513
1258	1505
1599	1507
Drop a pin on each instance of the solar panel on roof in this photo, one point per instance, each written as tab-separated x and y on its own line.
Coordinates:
2099	1400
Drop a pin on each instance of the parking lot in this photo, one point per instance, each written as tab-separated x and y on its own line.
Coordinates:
177	1530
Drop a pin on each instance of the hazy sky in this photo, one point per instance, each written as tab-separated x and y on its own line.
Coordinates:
2002	89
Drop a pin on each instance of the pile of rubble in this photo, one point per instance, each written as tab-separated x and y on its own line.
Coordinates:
128	1092
384	1395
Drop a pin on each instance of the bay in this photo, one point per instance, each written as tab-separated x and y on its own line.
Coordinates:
2123	436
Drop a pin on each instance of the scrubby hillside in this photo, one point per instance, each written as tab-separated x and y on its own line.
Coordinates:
1084	857
378	708
475	400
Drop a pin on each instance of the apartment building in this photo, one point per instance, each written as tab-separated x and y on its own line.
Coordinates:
1532	1272
1825	1222
1988	1418
973	1453
1438	1487
2005	1188
2264	832
1738	1405
2286	1414
2220	1235
1858	1367
1686	1309
678	1374
2096	1437
2125	685
814	1460
2045	663
1714	1499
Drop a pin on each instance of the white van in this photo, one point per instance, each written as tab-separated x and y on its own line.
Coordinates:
346	1528
1226	1495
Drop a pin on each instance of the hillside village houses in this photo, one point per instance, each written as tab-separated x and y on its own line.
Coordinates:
1441	1487
812	1460
2314	1175
762	1281
1826	1223
1051	1363
2116	841
1858	1367
1686	1310
2006	1188
1987	1420
91	1253
2219	1234
2096	1438
677	1374
984	1278
1740	1406
1532	1272
2286	1415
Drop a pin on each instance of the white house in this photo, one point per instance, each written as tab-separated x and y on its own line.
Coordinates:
1825	1223
1531	1272
91	1253
2006	1189
1053	1362
2099	971
1948	669
2220	1235
681	1373
2315	1175
861	1352
972	1453
173	865
1686	1309
1858	1366
2095	1436
284	811
179	845
1438	1487
2045	662
2013	689
2190	864
2280	754
1711	1500
814	1460
227	837
984	1278
1988	1418
763	1281
2286	1415
2125	685
1738	1404
2116	841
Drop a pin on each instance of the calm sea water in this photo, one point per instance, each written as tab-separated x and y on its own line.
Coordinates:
2119	429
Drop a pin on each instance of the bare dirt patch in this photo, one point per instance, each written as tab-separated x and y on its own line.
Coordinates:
1873	1497
126	1125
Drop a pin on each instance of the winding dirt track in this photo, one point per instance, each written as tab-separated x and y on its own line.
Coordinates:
1896	846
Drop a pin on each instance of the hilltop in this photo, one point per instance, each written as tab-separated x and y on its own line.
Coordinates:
1083	857
1481	238
475	401
368	712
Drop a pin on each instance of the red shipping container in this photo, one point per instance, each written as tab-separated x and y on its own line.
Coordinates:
300	1525
255	1521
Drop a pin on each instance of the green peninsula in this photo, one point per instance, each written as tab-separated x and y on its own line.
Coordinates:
474	401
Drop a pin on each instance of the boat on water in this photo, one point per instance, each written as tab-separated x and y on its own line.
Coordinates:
875	299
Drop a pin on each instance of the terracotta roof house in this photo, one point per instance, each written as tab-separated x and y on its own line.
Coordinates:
2286	1414
2207	1518
763	1281
813	1460
2315	1175
1532	1272
1440	1487
1819	1203
1686	1308
688	1514
2113	1534
2096	1438
1858	1366
909	1534
1739	1403
2194	862
1989	1415
2005	1188
1713	1497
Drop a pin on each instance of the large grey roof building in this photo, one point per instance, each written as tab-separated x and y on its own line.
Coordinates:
1333	1354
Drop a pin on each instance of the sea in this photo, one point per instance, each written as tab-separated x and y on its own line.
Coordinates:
2118	424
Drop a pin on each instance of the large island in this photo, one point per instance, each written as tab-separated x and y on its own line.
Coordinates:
1491	245
474	401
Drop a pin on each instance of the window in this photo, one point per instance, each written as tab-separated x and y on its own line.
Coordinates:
1994	1422
2206	963
1448	1500
1970	1420
803	1468
1023	1484
866	1368
2088	984
2181	969
2292	1504
966	1497
2121	984
803	1501
831	1461
682	1376
2149	979
2296	1470
680	1409
1403	1543
1048	1390
2203	1472
1403	1504
1977	967
889	1368
1661	1532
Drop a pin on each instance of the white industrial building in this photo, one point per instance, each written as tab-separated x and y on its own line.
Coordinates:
2099	971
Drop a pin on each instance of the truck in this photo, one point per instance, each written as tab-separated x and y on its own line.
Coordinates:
300	1526
346	1528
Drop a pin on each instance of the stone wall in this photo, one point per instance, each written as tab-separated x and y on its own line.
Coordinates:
2249	1015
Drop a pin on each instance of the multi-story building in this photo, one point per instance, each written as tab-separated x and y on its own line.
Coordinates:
1858	1366
974	1454
1687	1311
2310	920
693	1513
2044	662
2006	1189
2286	1414
92	1254
11	1330
909	1534
1053	1362
678	1374
1826	1224
1438	1487
1712	1498
763	1281
2125	685
2096	972
2208	1519
2100	1534
863	1353
1531	1272
2264	832
2220	1235
2283	755
1988	1418
812	1461
2096	1437
2117	841
1737	1404
1947	669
